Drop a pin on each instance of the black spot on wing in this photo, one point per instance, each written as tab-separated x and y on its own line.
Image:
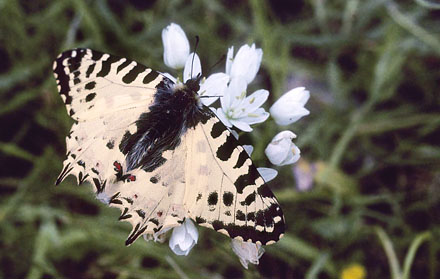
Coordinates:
67	169
224	152
90	70
217	129
69	100
90	85
133	73
213	198
110	144
154	180
123	65
96	55
150	77
106	65
228	198
240	215
200	220
141	213
241	159
246	179
124	214
265	191
90	97
249	199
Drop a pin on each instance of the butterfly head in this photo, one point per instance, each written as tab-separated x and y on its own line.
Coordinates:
193	84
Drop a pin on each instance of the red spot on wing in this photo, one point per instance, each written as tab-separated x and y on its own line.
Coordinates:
132	178
118	166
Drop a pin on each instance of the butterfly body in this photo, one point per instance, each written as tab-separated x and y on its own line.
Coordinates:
150	148
175	109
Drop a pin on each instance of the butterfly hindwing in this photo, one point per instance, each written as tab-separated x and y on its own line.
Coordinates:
225	192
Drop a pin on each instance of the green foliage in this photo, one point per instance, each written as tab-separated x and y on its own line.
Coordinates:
373	70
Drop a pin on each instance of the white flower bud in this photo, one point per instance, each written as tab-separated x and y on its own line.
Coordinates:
176	46
281	150
247	252
290	107
183	238
245	64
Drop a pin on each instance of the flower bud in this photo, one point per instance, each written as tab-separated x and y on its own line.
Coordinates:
290	107
176	46
281	150
183	238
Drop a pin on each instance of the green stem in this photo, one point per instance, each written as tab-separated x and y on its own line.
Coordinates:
412	252
391	254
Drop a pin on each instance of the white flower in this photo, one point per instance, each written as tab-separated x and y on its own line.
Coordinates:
214	86
177	56
268	174
183	238
247	252
281	150
245	64
176	46
241	111
290	107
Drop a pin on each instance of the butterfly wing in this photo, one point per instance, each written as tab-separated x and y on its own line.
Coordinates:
225	192
105	94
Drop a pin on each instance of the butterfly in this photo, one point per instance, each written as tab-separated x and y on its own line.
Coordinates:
150	147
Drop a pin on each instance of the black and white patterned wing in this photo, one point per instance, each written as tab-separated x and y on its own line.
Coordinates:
224	190
105	94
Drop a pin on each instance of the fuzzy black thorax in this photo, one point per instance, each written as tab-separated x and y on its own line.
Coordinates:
176	108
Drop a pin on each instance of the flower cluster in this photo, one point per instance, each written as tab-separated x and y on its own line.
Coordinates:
237	109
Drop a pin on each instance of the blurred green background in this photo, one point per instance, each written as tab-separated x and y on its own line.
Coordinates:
370	143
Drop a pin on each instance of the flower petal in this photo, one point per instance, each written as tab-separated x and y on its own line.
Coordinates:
221	115
214	85
234	94
176	46
289	108
246	63
183	238
256	99
247	252
258	116
281	150
191	229
241	125
268	174
193	67
249	149
229	60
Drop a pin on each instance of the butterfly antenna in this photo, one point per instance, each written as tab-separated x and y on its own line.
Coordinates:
216	63
195	49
